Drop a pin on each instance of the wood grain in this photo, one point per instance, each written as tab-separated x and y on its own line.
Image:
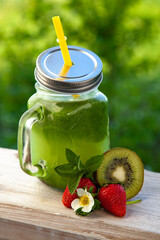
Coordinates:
29	210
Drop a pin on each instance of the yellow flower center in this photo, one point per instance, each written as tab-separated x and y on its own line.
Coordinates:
84	200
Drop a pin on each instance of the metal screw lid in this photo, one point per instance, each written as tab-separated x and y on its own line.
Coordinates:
85	73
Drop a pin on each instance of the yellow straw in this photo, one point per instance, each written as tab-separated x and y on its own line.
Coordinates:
64	71
62	41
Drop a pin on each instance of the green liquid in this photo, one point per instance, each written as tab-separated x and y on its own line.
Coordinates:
78	124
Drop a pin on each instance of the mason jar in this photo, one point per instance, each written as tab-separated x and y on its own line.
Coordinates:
67	111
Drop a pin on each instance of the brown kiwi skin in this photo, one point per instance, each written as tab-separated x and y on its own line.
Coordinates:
95	173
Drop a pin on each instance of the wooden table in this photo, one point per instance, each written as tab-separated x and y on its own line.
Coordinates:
29	210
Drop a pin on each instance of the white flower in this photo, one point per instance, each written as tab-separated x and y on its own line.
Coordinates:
85	201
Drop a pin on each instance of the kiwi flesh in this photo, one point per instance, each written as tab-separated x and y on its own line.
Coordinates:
121	165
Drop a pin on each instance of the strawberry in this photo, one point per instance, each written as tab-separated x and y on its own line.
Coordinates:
113	199
86	182
67	197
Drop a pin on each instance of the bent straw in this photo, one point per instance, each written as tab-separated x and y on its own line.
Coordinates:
64	71
62	41
64	49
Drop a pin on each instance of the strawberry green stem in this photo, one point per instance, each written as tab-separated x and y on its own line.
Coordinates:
135	201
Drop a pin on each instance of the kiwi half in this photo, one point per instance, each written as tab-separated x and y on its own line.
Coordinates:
121	165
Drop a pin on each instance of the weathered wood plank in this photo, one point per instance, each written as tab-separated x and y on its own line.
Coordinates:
29	209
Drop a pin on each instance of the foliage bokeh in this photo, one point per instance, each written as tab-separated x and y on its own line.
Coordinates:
126	36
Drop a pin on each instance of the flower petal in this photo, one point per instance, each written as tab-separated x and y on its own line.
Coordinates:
80	192
91	201
87	208
75	204
88	194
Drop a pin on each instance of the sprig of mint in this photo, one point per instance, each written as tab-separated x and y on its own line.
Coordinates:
75	169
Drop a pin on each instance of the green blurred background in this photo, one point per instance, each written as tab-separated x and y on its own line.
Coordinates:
126	36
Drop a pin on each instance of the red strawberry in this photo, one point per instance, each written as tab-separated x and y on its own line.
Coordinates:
113	199
67	197
86	182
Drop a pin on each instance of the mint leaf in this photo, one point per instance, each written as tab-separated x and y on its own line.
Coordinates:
75	169
80	164
93	163
74	181
72	158
66	170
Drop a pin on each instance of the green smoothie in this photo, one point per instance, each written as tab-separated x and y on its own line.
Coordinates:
78	123
67	111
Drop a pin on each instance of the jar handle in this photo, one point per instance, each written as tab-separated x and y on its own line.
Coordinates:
28	119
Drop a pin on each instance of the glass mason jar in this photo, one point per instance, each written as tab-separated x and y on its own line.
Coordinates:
67	111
